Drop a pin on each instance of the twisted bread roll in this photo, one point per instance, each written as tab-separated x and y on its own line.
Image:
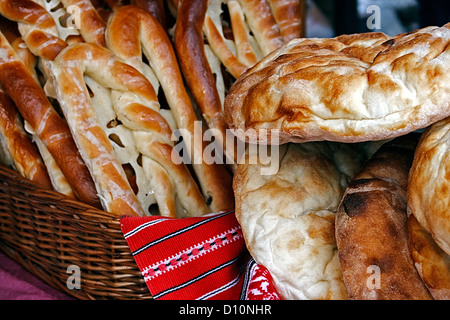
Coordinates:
351	88
68	71
18	145
262	21
36	25
371	228
92	27
136	107
236	58
429	181
51	129
40	26
290	16
188	37
59	182
144	34
257	28
237	52
39	23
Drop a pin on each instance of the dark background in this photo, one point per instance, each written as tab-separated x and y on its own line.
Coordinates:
348	16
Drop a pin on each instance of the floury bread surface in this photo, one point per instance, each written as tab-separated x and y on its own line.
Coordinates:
351	88
287	218
372	231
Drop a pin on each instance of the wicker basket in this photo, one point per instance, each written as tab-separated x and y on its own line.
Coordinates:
47	232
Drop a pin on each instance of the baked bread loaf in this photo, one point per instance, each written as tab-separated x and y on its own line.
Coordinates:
15	32
432	263
91	26
287	217
351	88
132	40
429	182
37	26
371	228
68	72
144	150
41	37
235	45
128	117
18	150
28	96
290	16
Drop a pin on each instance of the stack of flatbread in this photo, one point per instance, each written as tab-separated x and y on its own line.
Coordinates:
359	207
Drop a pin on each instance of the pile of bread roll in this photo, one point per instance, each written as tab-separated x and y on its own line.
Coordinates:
360	206
93	92
92	99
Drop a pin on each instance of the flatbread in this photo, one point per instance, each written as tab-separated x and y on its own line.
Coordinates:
352	88
287	217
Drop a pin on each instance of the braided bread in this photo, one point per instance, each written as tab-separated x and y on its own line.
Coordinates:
47	124
214	179
236	52
142	131
261	20
188	37
351	88
37	27
92	26
290	17
45	36
58	180
17	145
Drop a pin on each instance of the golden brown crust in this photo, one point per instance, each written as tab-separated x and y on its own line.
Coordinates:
35	108
429	183
348	89
195	67
371	228
132	101
26	157
244	50
37	27
217	42
155	7
68	72
432	263
290	17
261	20
251	32
145	34
92	26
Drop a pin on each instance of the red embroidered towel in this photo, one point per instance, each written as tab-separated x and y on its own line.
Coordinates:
196	258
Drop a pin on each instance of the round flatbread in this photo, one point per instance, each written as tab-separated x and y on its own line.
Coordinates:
429	183
351	88
287	217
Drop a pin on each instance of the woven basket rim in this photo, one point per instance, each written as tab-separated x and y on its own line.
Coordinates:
84	234
56	196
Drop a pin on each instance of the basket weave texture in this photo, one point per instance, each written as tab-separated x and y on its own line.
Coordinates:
47	232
